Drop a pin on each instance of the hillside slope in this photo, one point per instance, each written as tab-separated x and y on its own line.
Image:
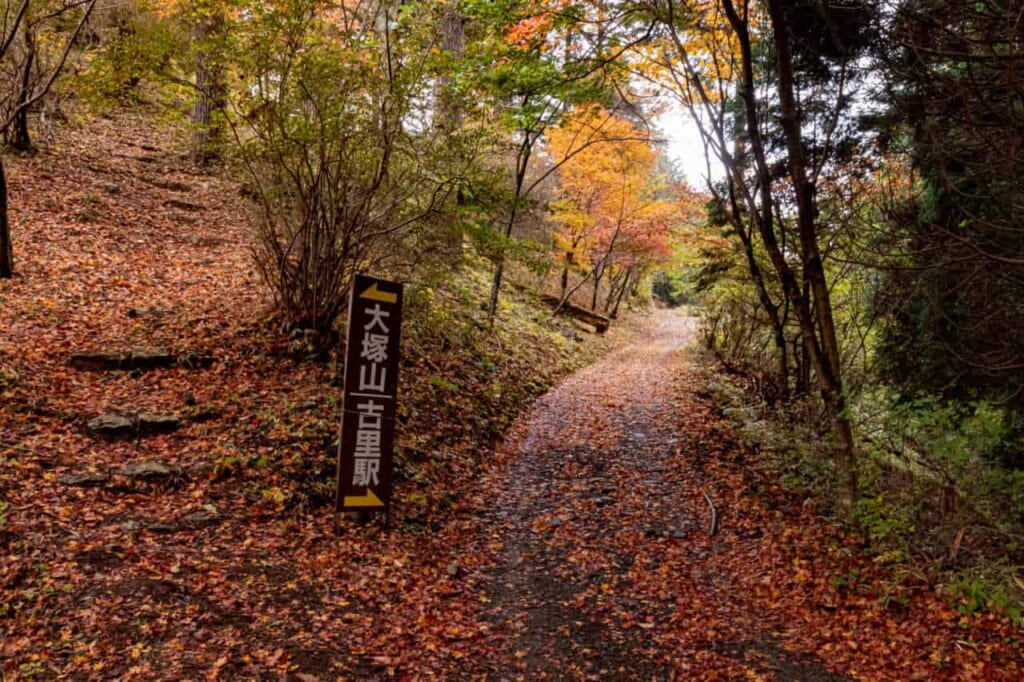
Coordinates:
187	546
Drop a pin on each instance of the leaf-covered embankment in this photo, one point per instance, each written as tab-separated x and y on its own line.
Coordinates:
204	547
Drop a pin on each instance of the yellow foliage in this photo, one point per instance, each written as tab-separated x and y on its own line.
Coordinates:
696	59
614	204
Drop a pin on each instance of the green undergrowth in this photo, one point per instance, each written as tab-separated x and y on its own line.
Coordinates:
932	505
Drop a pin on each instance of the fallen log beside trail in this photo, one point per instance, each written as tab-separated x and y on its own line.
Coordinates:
600	322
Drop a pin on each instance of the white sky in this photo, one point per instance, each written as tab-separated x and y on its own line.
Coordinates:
685	147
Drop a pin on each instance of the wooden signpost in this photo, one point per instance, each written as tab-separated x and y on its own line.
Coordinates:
367	440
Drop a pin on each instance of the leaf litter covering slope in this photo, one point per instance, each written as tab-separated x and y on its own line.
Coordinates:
219	561
583	556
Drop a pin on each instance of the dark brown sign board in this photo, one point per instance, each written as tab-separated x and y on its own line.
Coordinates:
369	402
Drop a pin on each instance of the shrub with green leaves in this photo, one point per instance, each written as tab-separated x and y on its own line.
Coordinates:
329	135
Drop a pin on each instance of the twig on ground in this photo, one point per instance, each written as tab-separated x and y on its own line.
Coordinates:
713	528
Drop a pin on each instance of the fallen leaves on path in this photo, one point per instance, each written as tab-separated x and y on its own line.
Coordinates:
607	568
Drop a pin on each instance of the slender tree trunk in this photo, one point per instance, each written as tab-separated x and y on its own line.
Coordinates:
627	286
823	349
20	139
600	267
806	348
613	289
211	92
6	247
565	273
492	303
450	121
568	294
453	41
522	163
598	276
813	268
767	304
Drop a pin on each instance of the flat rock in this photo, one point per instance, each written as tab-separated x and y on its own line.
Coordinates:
161	527
183	205
199	519
172	185
146	471
98	360
136	358
158	423
111	425
150	358
83	480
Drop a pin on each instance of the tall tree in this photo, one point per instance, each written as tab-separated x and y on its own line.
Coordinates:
209	36
787	64
340	173
612	211
953	295
536	68
13	20
698	64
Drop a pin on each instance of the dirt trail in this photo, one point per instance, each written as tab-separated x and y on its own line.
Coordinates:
594	502
604	566
590	470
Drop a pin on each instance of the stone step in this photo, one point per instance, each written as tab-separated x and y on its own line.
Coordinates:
150	471
138	358
115	425
144	471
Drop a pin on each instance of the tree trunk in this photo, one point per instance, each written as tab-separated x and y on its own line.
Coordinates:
764	297
803	365
6	247
522	163
629	285
492	303
767	304
621	279
598	276
453	41
211	93
831	380
450	121
565	273
19	138
819	334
